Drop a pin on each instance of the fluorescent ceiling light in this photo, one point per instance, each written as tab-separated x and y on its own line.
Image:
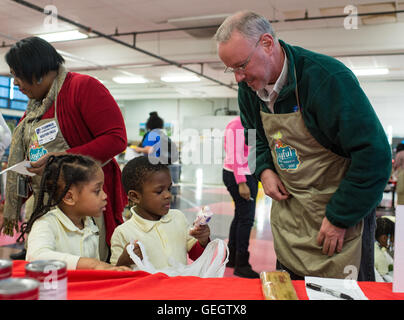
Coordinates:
370	72
130	80
180	78
63	36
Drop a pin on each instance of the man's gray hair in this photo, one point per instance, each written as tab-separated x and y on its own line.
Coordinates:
249	24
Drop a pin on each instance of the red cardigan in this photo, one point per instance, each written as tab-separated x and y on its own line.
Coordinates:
92	124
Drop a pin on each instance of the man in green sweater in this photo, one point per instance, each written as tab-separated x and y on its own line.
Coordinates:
321	152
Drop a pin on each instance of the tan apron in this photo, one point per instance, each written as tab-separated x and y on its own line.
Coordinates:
45	136
311	174
40	138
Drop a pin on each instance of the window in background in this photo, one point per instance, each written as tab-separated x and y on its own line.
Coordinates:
10	96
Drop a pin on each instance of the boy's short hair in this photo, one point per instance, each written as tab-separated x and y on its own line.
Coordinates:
136	172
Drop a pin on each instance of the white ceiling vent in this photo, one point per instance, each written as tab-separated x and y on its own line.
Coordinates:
201	21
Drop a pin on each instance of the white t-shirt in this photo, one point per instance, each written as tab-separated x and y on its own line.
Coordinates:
5	136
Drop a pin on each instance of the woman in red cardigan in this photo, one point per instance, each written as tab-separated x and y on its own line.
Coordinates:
67	112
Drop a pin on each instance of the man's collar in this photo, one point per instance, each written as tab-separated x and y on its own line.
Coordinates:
265	94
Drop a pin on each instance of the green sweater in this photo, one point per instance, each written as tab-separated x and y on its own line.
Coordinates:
340	117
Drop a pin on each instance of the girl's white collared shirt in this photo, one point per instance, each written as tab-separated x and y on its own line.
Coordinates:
55	237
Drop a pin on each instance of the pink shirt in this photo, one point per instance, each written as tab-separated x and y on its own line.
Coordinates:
236	159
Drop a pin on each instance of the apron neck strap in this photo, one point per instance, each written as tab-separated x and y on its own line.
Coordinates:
296	90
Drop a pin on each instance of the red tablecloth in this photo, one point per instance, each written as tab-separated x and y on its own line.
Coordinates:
139	285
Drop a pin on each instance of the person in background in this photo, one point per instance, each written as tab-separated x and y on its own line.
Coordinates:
384	247
62	226
156	144
5	136
321	153
243	188
398	172
130	152
67	112
164	232
5	140
154	122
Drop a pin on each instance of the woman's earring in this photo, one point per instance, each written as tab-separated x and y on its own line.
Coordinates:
39	81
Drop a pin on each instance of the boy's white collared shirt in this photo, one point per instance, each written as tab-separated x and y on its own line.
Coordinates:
167	237
55	237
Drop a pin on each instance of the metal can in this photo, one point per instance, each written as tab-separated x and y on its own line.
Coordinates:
6	269
19	289
52	275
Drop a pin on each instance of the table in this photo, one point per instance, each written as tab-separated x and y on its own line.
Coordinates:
139	285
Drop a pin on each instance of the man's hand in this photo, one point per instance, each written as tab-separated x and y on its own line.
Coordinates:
331	237
38	166
244	191
273	186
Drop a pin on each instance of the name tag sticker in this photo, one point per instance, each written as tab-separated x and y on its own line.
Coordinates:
47	132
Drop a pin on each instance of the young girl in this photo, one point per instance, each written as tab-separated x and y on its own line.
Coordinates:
384	245
164	233
61	226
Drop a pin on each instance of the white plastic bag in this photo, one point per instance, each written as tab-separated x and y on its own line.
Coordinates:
208	265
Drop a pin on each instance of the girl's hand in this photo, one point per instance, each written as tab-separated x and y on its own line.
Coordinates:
120	268
201	233
106	266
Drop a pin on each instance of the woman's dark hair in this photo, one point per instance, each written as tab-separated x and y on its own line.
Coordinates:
60	173
154	121
33	57
137	170
384	226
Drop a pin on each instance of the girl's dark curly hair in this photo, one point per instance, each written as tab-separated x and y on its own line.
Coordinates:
60	173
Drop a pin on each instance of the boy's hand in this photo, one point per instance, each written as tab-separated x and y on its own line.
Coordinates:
201	233
125	259
137	251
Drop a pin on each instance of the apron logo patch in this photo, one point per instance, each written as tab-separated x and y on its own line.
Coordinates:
286	156
36	153
35	150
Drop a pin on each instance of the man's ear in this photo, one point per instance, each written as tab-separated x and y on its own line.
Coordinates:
267	41
134	196
69	198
